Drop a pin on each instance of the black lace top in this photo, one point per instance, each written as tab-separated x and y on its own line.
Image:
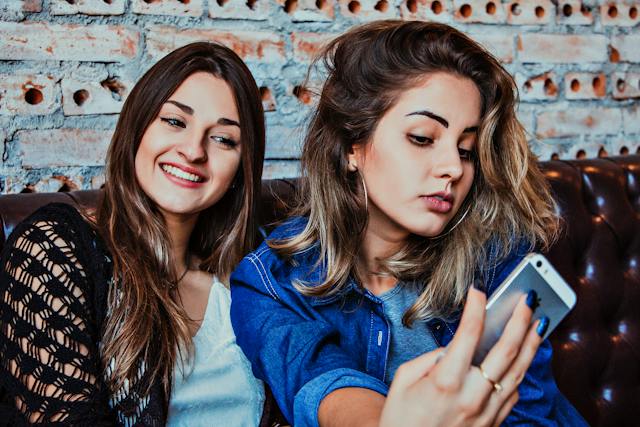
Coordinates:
54	280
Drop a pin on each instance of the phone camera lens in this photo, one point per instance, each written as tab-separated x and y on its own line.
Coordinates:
539	264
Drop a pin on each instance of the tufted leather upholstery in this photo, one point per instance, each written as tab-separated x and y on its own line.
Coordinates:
597	347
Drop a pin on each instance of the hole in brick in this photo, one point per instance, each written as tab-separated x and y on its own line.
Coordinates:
33	96
220	2
71	1
354	6
107	1
527	87
602	152
567	10
382	6
581	154
540	11
620	85
598	85
585	10
554	156
436	7
150	1
624	150
491	8
251	4
516	9
638	150
465	10
27	189
550	87
302	94
80	97
412	6
612	12
184	1
65	188
614	56
575	85
290	5
633	12
114	86
321	4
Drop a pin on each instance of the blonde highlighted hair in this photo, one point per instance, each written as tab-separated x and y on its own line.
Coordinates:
368	68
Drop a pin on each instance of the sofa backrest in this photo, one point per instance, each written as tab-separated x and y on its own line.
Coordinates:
597	347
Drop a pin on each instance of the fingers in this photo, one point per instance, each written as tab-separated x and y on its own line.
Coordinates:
455	365
410	372
506	408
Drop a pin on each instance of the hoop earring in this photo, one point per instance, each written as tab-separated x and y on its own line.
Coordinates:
366	195
456	224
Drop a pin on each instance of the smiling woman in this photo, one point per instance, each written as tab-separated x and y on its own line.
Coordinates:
121	316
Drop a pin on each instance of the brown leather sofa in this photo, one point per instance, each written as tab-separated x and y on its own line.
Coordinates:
597	347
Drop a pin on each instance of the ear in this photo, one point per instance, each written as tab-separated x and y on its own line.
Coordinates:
355	157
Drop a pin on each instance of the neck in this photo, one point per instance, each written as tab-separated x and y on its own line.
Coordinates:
179	229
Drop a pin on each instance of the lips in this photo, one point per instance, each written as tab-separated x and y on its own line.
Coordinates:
438	202
182	173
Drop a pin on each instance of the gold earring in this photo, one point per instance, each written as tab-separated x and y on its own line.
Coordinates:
352	167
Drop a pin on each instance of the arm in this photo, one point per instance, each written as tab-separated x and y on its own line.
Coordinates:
289	345
49	364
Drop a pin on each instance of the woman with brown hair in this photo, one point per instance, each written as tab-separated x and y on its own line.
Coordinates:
418	183
121	316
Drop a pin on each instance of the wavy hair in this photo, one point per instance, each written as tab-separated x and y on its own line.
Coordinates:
146	322
368	68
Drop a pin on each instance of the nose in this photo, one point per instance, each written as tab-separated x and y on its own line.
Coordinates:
192	147
447	162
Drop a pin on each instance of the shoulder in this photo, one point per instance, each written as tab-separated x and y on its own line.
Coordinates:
58	217
291	227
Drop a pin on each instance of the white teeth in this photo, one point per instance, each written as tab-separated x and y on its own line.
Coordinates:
172	170
439	198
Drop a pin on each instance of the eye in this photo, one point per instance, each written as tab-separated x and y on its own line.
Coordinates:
419	140
227	142
173	122
467	154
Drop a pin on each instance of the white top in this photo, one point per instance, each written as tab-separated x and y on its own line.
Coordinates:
219	388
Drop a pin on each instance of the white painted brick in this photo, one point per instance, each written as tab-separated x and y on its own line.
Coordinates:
368	10
274	169
619	14
530	12
500	45
562	48
479	11
261	46
43	41
87	7
631	120
627	47
574	12
63	147
240	9
583	85
28	94
538	87
192	8
427	10
626	85
284	142
84	96
308	10
578	121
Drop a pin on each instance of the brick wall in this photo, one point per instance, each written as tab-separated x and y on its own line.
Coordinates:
66	66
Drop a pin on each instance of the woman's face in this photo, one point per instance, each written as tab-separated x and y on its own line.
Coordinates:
190	152
418	167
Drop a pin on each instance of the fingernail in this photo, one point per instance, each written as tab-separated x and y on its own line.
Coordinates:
532	299
542	326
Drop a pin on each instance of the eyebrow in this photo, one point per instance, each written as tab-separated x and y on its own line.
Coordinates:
188	110
440	120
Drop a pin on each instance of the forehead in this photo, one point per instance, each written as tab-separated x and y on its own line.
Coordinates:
207	95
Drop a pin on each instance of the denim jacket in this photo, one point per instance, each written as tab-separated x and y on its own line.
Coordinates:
307	347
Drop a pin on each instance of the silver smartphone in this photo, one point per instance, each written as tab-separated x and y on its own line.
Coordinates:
534	272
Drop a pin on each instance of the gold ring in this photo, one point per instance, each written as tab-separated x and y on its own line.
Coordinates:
496	385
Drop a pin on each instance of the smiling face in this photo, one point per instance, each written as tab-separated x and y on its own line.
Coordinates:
419	165
190	152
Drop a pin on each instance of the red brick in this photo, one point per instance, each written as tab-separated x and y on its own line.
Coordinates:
627	47
87	7
168	7
427	10
63	147
539	87
43	41
578	121
368	10
626	85
562	48
530	12
28	94
308	10
85	96
240	9
585	85
250	45
500	45
16	8
631	120
481	11
619	14
574	12
31	5
307	45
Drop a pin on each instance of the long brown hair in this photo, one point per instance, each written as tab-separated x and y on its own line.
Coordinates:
146	325
368	68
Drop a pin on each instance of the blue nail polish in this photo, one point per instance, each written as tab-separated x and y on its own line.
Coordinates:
532	299
542	326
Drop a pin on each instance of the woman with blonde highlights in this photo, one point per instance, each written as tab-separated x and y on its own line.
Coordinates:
418	183
121	316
